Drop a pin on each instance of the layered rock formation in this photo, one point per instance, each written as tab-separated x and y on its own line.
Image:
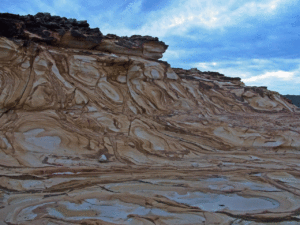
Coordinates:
96	130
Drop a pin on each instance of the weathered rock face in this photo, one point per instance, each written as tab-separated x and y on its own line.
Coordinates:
105	133
70	33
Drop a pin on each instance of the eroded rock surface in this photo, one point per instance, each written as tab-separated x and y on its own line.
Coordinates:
70	33
105	133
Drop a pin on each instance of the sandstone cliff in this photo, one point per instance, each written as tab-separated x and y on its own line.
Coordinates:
96	129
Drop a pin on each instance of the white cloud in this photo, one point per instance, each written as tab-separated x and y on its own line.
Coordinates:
254	63
182	15
282	75
206	65
133	7
279	75
285	82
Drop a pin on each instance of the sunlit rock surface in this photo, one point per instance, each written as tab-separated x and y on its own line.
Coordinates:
108	134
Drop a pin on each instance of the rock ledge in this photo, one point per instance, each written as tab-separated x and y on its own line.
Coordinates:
70	33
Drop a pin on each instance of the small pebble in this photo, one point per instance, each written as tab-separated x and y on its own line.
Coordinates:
102	158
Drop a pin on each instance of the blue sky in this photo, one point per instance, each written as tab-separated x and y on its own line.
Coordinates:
257	40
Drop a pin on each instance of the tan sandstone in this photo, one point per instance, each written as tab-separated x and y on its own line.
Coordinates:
98	133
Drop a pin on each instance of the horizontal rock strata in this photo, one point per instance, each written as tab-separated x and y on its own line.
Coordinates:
96	130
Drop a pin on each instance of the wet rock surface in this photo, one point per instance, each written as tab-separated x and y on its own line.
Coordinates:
103	135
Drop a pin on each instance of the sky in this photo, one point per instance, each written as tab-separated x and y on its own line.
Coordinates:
256	40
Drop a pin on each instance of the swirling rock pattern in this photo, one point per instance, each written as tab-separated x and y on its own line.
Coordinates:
99	131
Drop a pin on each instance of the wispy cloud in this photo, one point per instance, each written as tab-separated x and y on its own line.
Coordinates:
181	16
284	82
280	75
